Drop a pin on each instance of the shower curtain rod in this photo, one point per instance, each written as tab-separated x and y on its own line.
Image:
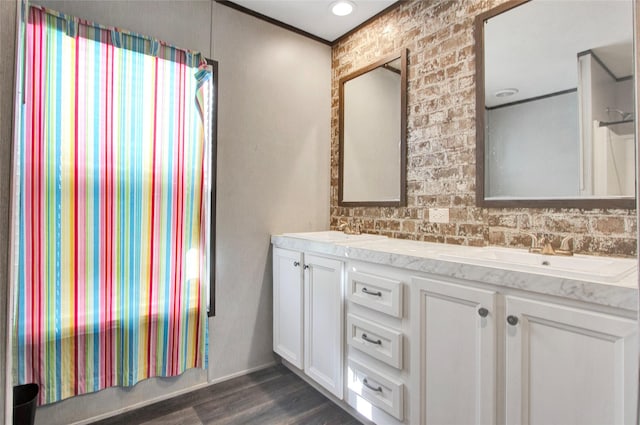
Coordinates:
610	123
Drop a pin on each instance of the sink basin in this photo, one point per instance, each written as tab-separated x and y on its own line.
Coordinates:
586	267
333	236
578	266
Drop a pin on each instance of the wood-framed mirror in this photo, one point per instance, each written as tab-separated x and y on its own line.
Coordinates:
555	113
373	134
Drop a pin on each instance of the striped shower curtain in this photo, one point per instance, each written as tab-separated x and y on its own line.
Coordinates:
112	239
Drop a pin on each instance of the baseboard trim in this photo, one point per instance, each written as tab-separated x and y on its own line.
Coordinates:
172	394
140	404
242	373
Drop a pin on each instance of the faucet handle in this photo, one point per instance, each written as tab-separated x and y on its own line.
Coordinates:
564	246
534	243
565	243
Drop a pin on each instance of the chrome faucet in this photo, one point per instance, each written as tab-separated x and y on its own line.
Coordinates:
544	247
349	230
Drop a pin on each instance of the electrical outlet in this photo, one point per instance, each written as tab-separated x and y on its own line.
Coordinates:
439	215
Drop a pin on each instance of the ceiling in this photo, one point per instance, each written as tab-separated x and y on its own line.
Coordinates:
534	47
561	30
314	16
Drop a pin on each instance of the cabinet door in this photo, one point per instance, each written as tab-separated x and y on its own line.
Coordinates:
569	366
288	304
323	322
454	352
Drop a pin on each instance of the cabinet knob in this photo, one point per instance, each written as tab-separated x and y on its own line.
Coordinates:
296	263
512	320
483	312
306	266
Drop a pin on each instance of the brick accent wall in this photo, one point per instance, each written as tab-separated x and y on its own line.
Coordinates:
441	141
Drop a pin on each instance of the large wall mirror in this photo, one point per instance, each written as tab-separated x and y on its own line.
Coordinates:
372	126
555	105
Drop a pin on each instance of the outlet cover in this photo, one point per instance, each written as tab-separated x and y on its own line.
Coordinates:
439	215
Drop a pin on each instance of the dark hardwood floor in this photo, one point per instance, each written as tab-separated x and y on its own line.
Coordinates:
270	396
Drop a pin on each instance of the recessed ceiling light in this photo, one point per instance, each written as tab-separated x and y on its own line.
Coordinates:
342	8
505	92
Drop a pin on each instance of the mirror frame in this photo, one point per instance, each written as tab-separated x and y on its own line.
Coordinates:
586	203
402	54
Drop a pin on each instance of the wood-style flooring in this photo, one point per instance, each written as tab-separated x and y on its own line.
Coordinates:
270	396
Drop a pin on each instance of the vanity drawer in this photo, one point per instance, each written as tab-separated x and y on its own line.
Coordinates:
376	292
377	389
377	341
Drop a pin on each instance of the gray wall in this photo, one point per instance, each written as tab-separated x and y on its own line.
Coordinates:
184	23
7	55
273	173
625	95
534	148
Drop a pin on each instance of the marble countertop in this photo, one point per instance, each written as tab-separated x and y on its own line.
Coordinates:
427	257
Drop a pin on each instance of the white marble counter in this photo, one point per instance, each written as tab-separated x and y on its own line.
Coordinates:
427	257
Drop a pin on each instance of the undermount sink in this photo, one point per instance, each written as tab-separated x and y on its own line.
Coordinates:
333	236
605	269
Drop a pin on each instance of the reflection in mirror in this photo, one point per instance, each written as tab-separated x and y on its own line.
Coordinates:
372	134
555	106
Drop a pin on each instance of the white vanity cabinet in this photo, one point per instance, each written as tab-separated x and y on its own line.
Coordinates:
323	304
568	365
454	353
288	306
484	357
376	336
308	315
414	340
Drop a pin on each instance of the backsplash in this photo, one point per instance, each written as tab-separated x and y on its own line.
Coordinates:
441	141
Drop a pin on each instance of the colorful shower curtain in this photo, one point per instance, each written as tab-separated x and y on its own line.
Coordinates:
113	204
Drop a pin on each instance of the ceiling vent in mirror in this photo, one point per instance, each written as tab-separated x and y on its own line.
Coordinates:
506	92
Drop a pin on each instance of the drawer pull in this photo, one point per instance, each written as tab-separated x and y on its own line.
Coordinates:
366	338
377	389
377	294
